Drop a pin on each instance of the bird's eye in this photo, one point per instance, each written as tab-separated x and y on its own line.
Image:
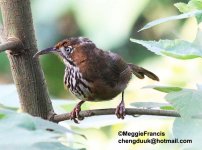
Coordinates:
68	49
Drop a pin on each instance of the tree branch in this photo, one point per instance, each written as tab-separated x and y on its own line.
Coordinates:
111	111
26	71
2	34
12	44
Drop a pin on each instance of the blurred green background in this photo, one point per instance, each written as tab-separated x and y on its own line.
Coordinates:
110	24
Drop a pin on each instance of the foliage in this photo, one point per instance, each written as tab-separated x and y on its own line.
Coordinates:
188	129
177	48
189	104
152	105
35	133
191	6
186	101
178	17
27	132
165	89
174	48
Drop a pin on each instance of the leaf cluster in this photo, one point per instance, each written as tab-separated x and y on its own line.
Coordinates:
187	102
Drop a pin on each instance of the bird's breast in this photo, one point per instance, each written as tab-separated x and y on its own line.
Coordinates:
77	84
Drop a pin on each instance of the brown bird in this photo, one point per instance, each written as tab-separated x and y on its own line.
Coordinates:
92	74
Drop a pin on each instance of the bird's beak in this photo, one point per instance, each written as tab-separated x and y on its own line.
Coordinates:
45	51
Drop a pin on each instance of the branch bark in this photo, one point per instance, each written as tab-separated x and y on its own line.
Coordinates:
12	44
111	111
26	71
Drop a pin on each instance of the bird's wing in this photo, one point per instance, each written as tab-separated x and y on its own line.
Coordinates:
113	68
103	66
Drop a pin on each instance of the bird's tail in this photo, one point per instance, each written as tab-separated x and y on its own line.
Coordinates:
141	72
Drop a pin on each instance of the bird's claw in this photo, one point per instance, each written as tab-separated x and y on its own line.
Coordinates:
74	115
120	111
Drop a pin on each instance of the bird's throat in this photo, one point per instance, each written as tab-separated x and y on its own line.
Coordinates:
68	62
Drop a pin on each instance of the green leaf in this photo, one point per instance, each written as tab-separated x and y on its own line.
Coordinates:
166	89
167	108
2	116
199	18
196	3
192	125
187	102
22	131
172	18
149	104
191	6
182	7
174	48
189	129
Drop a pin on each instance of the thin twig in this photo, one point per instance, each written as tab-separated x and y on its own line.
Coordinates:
11	45
111	111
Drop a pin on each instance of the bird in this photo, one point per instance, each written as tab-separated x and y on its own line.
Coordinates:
93	74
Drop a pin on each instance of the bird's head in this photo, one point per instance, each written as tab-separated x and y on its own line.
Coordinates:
66	48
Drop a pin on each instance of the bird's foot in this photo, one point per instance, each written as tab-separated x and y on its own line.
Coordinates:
120	110
74	115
